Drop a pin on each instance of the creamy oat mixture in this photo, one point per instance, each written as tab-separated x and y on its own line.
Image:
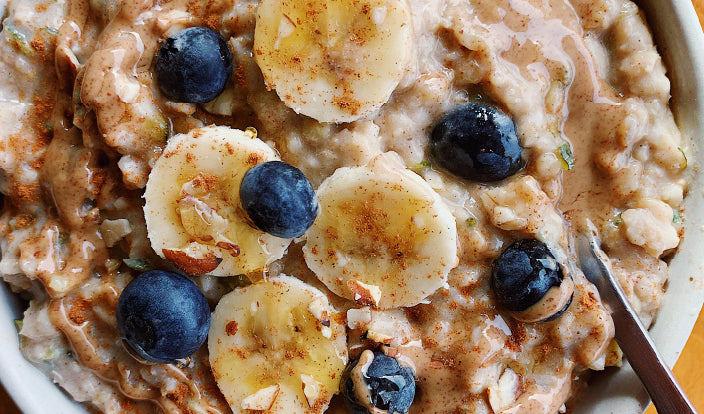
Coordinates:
84	123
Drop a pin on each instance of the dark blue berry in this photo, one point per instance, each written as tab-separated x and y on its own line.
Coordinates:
163	316
523	273
279	199
391	388
477	142
193	65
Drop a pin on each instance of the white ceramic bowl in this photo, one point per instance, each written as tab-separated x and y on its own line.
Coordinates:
679	38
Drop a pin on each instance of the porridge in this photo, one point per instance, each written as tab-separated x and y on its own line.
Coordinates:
376	199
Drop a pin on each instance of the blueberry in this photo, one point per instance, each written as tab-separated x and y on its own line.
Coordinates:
193	65
163	316
477	142
388	387
528	281
279	199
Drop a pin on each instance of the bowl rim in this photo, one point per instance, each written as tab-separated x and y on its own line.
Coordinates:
679	38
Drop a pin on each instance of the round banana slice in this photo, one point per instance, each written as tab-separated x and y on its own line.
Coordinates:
275	347
192	208
384	238
335	61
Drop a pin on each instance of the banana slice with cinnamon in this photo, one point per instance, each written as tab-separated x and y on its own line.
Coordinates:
276	347
384	238
335	61
192	210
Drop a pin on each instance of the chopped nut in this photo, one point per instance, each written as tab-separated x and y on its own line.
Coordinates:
504	393
114	230
311	389
368	295
192	265
383	328
262	399
359	318
318	309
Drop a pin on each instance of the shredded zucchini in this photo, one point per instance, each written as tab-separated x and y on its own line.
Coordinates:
565	153
141	265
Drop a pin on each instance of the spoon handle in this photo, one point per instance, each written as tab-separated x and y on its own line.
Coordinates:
662	386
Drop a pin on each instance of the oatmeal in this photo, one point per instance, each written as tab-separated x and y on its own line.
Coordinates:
402	286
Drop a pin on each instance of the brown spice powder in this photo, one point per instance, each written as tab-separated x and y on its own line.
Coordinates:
231	328
78	311
179	394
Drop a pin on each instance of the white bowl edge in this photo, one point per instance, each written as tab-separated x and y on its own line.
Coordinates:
678	36
32	391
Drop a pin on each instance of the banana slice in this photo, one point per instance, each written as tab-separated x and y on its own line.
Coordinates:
192	208
275	347
335	61
384	238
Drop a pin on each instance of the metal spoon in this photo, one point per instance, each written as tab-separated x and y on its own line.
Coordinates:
662	386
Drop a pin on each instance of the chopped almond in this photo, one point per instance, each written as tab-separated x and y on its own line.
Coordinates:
191	265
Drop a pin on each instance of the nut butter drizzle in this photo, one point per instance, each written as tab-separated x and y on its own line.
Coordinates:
78	186
72	181
121	98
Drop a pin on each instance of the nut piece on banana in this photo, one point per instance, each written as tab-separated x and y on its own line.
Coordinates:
275	346
335	61
192	208
384	238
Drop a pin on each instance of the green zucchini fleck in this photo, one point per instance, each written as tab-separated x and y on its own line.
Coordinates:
565	153
142	265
